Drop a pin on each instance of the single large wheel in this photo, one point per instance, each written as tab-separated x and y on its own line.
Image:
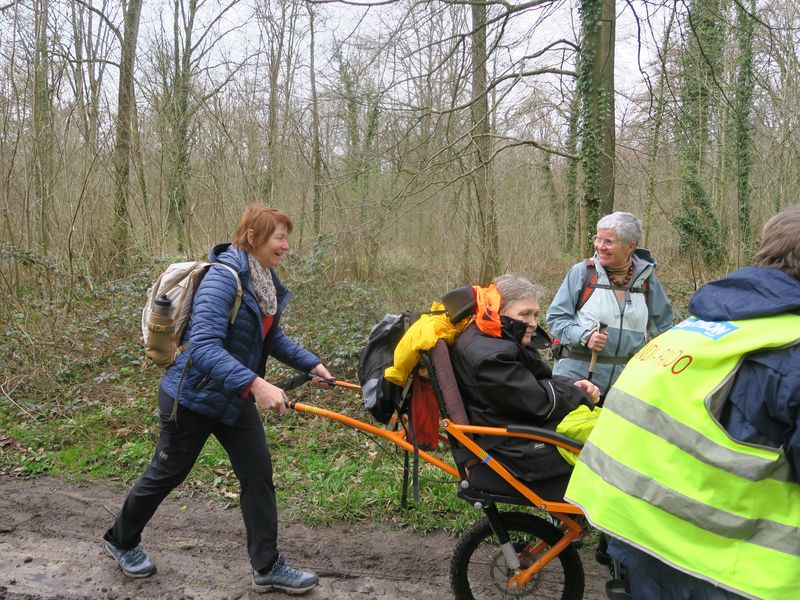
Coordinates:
479	571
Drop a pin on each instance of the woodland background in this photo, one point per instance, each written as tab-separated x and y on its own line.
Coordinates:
418	145
467	137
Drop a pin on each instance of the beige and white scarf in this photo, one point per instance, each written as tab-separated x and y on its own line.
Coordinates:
264	287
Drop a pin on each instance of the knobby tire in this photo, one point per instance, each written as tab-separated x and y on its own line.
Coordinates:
478	572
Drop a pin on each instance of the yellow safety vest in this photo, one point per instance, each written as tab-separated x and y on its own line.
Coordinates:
659	471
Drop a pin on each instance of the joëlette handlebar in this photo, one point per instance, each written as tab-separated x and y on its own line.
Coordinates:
303	378
397	437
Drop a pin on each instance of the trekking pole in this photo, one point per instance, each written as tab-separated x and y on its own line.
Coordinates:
302	379
599	328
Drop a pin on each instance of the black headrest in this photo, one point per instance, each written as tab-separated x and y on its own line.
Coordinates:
459	303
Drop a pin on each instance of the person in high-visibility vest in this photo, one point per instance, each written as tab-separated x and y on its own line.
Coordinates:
693	468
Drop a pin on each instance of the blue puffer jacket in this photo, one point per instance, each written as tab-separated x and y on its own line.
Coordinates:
221	360
764	403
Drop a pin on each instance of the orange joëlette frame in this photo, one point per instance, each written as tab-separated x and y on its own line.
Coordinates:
572	530
397	437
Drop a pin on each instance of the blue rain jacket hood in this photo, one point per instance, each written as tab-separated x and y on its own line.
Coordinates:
748	293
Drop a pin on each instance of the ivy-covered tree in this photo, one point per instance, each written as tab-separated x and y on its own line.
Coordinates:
43	133
696	221
596	91
122	145
482	175
743	123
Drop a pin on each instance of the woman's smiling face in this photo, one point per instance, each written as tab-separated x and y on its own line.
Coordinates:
526	310
610	250
269	254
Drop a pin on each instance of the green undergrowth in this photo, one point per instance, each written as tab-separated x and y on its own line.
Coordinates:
77	400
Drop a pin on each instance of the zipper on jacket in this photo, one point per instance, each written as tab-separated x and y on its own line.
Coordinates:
552	395
202	383
174	415
619	339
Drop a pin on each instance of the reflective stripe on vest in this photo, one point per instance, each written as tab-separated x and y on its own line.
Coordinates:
660	472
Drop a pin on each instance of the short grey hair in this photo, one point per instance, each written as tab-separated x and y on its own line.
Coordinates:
513	287
627	226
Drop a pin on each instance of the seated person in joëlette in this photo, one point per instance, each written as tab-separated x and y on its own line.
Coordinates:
503	380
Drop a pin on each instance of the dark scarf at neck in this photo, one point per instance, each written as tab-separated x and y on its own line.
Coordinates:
621	275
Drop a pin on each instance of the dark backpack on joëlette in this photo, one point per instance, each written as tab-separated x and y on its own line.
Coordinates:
381	397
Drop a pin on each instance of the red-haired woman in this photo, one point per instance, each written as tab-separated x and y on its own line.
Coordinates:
210	389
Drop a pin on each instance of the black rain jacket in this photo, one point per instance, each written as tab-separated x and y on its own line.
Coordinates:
503	383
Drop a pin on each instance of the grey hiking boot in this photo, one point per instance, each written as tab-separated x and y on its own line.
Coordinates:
133	562
284	578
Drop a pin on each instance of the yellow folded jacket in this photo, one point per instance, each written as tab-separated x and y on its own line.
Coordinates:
577	424
422	335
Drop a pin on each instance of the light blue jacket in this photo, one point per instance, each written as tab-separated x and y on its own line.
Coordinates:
630	323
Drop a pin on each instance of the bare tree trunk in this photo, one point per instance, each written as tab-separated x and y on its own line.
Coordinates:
276	58
180	120
490	261
349	86
138	161
89	35
122	147
316	151
43	126
550	195
80	98
655	136
572	208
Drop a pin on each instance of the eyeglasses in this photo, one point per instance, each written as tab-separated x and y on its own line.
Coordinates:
603	242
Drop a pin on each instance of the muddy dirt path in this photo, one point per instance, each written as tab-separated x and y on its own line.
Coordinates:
50	533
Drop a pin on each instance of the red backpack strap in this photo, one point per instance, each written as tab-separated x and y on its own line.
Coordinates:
589	282
643	289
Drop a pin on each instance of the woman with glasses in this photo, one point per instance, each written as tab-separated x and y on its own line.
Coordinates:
608	305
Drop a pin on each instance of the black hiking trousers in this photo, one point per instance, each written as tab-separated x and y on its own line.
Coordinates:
178	447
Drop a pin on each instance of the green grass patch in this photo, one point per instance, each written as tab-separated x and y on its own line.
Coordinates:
333	472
